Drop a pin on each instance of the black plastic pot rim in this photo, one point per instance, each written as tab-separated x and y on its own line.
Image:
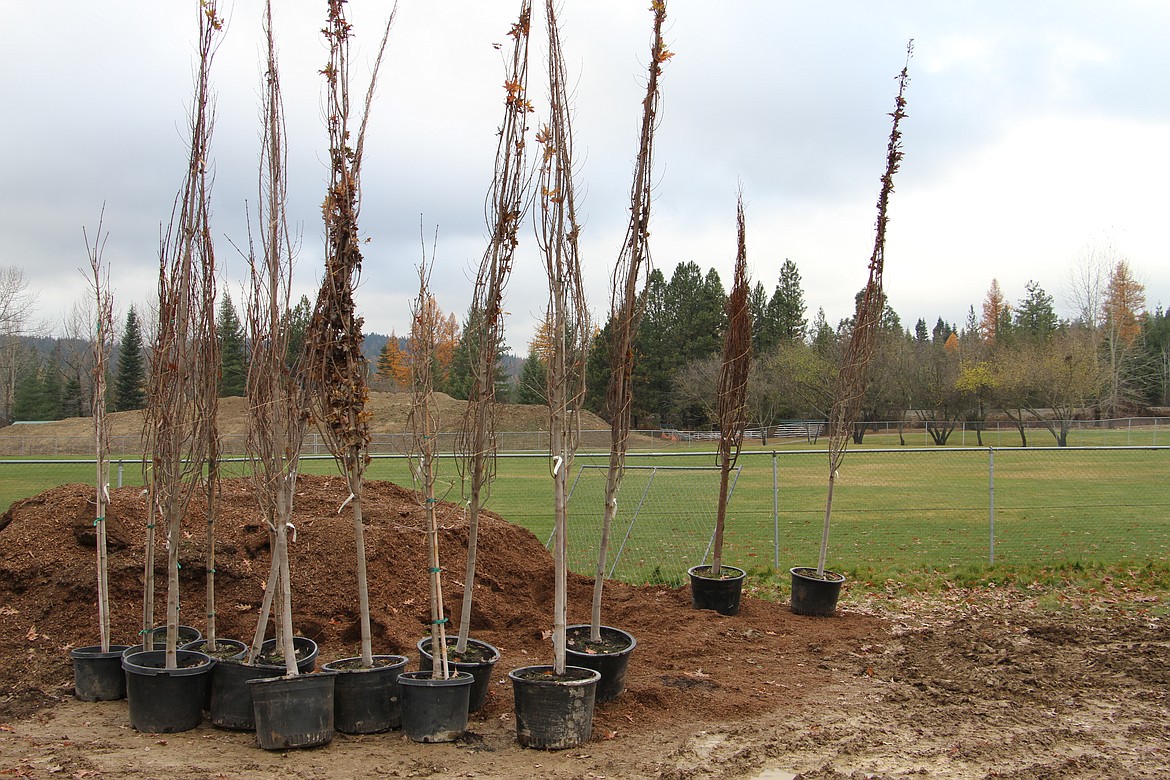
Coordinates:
810	573
133	663
592	676
629	648
694	572
425	680
426	640
291	678
243	661
96	651
396	660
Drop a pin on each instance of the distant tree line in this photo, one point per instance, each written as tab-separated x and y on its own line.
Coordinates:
1018	360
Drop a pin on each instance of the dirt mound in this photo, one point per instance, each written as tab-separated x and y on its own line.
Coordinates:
389	415
690	665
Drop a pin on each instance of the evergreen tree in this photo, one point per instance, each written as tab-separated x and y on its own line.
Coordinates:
1036	315
762	341
596	372
1156	343
130	383
652	363
823	336
786	308
921	334
942	331
457	372
971	327
298	322
233	361
533	384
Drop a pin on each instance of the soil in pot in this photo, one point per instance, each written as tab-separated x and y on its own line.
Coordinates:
165	700
304	649
720	593
224	648
367	700
433	709
478	660
293	712
813	595
158	639
610	657
554	712
97	675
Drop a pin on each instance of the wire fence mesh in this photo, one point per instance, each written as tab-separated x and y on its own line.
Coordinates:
894	508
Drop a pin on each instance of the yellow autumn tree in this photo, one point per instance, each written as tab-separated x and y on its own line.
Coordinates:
392	370
997	314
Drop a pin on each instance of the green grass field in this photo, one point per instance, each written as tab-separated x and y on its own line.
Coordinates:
898	510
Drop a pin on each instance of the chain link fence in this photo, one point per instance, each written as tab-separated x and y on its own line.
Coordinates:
894	508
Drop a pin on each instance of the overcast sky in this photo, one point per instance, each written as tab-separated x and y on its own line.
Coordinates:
1038	133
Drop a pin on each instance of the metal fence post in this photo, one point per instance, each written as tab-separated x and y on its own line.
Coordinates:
775	516
991	505
119	473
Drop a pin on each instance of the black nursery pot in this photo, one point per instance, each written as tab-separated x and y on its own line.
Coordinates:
225	649
481	671
161	700
231	704
97	675
293	712
814	596
554	713
434	710
367	701
611	666
721	595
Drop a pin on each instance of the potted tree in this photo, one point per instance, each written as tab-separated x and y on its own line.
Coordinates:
594	646
366	695
554	704
166	689
815	591
97	669
276	411
507	204
718	586
435	699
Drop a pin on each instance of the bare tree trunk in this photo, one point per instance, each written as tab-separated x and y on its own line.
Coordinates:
359	535
821	560
103	310
557	237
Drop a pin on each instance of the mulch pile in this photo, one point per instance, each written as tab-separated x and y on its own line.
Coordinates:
689	666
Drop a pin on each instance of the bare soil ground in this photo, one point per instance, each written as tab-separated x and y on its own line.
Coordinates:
994	683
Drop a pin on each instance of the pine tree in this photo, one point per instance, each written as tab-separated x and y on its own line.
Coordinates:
786	308
1036	315
761	335
533	384
233	361
297	321
921	334
130	384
